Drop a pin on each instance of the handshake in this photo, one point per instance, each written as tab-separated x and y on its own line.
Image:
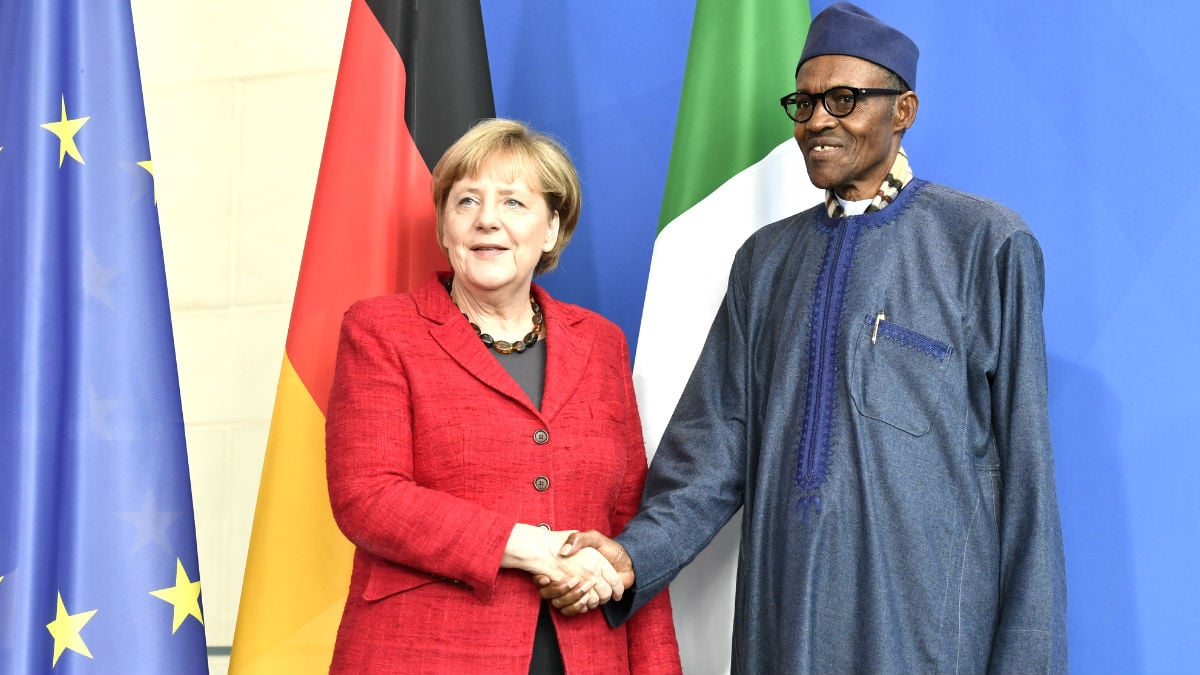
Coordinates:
575	571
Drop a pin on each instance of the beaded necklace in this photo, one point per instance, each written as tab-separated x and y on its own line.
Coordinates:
502	346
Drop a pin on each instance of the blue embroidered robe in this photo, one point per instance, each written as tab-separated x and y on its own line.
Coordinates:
873	394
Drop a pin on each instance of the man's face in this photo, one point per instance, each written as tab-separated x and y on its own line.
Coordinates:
851	154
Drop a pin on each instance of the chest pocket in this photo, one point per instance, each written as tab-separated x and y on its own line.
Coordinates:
897	379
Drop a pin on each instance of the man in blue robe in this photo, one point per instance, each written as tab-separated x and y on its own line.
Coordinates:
873	394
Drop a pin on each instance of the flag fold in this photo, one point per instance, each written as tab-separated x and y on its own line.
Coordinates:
413	77
98	564
745	173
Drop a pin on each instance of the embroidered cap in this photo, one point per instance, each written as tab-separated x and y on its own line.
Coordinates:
846	29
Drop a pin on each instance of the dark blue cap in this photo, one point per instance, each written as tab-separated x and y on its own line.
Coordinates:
843	28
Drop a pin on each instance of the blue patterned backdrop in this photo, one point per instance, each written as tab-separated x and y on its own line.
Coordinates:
1083	116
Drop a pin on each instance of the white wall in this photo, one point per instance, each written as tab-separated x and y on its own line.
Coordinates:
237	98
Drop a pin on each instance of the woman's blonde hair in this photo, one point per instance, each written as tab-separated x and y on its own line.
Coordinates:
530	154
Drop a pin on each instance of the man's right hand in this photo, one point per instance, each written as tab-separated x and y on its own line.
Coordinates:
572	601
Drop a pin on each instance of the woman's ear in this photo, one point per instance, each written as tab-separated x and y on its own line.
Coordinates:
551	234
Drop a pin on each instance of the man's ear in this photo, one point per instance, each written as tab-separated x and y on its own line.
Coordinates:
906	111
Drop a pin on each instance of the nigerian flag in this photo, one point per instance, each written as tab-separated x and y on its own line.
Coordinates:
734	168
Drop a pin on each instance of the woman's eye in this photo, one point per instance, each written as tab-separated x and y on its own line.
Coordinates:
513	203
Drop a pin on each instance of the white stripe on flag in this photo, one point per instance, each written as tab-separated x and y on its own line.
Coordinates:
688	275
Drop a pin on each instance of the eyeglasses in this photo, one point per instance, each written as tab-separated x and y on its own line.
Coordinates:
839	102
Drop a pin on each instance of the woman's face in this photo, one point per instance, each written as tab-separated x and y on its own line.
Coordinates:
495	227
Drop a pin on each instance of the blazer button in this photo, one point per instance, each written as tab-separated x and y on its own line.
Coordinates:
544	526
541	436
541	483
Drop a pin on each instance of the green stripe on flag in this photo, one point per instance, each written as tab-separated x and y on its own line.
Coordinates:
742	58
734	168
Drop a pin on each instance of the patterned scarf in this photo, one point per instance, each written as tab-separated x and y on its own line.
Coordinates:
897	178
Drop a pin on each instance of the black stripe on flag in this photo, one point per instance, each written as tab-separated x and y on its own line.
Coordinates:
442	45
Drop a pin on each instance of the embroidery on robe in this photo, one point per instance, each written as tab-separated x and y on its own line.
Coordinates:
820	396
816	428
910	338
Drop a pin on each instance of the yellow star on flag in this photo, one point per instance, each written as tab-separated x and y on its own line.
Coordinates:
184	596
66	129
148	165
65	629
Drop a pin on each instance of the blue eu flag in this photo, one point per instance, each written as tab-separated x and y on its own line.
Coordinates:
98	568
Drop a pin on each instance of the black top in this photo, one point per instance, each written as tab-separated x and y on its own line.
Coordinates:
528	368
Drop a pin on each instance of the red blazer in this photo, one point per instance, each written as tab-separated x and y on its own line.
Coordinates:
434	452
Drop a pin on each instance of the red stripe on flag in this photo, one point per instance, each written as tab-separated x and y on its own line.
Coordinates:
372	232
372	225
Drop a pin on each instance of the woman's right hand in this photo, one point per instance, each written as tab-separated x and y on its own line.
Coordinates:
537	551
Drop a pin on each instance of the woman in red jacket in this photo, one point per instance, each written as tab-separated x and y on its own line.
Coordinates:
472	424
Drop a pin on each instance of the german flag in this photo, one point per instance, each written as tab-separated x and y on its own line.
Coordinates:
413	77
